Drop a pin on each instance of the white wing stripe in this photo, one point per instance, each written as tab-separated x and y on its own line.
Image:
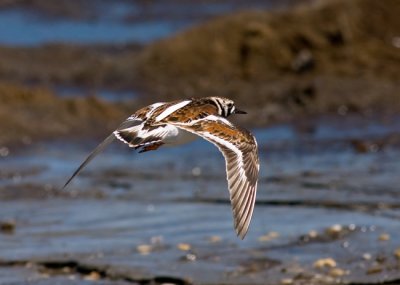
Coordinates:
172	109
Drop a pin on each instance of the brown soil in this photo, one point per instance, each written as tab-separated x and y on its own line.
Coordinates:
61	64
308	60
77	9
28	114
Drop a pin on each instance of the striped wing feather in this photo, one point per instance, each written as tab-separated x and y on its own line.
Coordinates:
239	149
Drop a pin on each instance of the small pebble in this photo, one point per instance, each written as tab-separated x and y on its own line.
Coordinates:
313	234
352	227
374	270
184	246
92	276
144	249
367	256
324	263
190	257
384	237
214	239
66	269
397	253
334	230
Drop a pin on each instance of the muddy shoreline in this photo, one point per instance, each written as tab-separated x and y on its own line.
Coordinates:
279	66
327	212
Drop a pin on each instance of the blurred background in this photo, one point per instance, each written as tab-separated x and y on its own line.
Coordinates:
320	82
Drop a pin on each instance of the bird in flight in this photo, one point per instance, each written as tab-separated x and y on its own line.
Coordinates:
177	122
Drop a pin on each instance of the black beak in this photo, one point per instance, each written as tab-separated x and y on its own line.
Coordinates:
237	111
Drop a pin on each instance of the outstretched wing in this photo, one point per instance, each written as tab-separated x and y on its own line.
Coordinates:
144	135
129	123
239	148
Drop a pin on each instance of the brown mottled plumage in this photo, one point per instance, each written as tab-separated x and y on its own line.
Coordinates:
181	121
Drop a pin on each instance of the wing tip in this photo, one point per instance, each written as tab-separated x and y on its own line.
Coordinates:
242	233
89	158
243	215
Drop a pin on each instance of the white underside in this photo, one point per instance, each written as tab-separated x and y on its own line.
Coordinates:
177	136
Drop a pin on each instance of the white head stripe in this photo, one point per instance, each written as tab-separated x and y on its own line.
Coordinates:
172	109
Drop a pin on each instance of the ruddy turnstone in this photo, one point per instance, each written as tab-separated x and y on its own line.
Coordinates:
177	122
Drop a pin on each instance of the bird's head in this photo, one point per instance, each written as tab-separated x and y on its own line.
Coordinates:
226	107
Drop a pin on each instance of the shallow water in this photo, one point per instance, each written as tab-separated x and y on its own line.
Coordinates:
16	28
167	213
117	22
104	94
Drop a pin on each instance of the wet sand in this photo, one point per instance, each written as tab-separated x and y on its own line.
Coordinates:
327	211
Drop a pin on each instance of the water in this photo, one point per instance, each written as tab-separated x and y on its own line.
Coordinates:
16	28
115	22
134	211
104	94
